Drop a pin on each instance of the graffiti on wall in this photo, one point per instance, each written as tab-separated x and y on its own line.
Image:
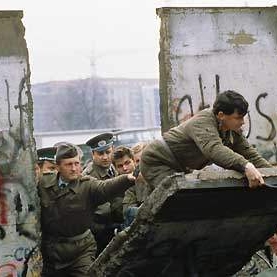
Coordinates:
20	255
183	108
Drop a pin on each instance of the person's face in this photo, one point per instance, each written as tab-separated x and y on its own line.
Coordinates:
103	158
137	158
231	122
48	167
124	165
70	169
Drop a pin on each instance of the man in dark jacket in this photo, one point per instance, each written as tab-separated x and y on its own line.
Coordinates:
67	203
211	136
105	218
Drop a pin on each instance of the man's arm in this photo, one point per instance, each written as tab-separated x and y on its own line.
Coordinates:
243	147
207	138
105	190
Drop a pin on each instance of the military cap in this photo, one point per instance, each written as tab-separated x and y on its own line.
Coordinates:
101	142
66	151
46	154
80	150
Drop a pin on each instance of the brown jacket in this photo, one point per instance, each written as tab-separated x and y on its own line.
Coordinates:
68	212
196	143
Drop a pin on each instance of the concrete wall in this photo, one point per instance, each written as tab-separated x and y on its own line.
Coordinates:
19	228
205	51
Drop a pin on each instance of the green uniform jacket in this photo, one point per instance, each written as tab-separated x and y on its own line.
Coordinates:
99	172
109	212
194	144
67	212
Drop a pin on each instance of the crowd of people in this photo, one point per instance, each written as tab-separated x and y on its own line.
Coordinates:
77	223
83	208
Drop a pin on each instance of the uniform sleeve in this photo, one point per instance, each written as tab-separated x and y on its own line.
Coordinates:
205	135
243	147
105	190
130	199
116	209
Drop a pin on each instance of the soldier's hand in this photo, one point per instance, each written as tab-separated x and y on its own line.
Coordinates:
131	177
254	177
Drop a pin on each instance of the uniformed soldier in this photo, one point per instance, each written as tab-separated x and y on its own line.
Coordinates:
105	218
124	162
211	136
67	204
101	152
46	159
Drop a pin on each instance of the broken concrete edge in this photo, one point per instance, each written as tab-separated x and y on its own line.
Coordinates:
208	173
115	252
11	13
13	30
198	179
162	11
165	79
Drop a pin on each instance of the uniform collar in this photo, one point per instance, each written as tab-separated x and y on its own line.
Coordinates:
61	182
103	172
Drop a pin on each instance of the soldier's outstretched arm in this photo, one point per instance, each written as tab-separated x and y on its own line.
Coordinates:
105	190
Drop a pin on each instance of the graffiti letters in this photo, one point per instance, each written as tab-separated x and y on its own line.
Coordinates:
183	112
22	108
202	105
8	270
179	106
272	133
217	85
21	253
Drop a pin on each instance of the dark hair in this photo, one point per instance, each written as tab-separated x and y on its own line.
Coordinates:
229	102
122	151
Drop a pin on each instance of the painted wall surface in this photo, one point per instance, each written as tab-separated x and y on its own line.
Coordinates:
205	51
19	228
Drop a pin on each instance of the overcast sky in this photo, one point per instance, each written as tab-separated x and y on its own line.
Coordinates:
70	39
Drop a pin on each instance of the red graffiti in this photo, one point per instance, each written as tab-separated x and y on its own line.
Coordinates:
3	203
8	270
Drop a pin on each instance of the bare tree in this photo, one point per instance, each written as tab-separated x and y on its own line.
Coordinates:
73	105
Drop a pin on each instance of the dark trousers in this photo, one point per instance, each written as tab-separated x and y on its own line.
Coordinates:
68	258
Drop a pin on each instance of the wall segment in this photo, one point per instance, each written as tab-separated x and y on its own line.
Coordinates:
19	207
205	51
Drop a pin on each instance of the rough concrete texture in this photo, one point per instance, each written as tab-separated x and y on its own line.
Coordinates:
205	51
201	223
19	207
